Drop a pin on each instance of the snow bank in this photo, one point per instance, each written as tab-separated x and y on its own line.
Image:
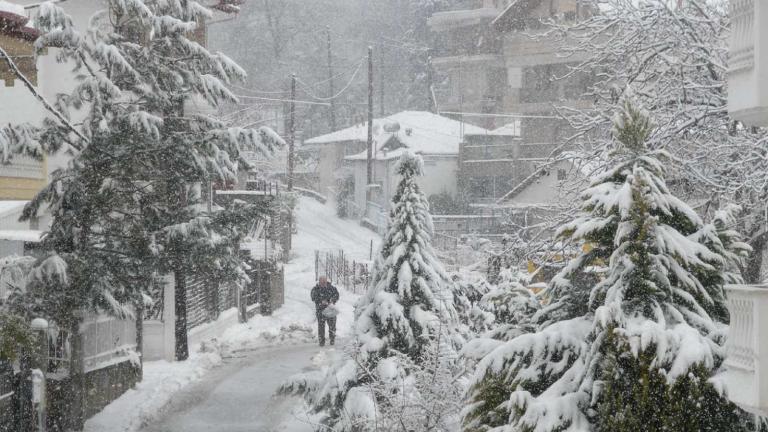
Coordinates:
141	405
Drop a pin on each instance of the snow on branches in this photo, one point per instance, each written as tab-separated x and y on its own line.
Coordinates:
632	350
672	58
128	203
405	319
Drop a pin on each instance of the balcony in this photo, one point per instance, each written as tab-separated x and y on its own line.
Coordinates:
748	68
746	363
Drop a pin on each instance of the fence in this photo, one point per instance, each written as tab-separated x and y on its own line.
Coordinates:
353	276
207	299
266	287
375	217
8	398
207	302
81	372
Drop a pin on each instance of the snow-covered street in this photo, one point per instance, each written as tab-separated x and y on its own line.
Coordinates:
230	386
238	396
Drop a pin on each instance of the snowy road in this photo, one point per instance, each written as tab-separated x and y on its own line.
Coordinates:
237	397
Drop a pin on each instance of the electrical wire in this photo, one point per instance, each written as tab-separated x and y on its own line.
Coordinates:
505	115
346	87
282	100
258	91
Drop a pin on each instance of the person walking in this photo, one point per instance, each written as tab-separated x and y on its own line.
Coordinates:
323	295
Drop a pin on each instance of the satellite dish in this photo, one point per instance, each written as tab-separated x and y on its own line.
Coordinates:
391	127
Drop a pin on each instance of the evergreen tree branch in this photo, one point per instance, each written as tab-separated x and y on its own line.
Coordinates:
16	71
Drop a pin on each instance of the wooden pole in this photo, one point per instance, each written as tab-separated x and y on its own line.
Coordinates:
369	176
381	83
431	87
291	132
332	107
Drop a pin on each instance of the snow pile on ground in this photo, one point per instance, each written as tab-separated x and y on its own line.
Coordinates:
142	404
292	324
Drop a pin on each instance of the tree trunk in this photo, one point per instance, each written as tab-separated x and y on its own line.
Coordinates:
752	273
180	291
140	337
77	376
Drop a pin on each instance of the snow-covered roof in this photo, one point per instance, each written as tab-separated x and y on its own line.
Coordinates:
586	170
512	129
458	18
14	21
13	8
7	207
425	125
419	131
21	235
516	9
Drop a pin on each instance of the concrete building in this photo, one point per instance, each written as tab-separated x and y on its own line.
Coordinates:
343	158
493	164
24	176
746	363
342	154
468	63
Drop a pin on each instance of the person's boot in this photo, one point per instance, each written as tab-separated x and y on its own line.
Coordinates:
333	342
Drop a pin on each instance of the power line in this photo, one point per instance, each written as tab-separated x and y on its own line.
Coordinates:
259	91
399	45
282	100
506	115
346	87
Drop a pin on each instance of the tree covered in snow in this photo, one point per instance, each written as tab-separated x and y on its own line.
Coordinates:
512	305
129	202
674	58
635	350
468	288
406	318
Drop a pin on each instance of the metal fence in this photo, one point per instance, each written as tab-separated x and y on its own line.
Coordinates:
108	341
352	275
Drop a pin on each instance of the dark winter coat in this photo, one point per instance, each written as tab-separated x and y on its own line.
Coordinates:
327	294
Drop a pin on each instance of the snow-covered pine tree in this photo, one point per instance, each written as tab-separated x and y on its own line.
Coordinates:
469	287
128	203
512	304
407	313
634	351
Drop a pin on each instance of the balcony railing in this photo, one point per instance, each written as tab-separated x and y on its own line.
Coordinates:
746	360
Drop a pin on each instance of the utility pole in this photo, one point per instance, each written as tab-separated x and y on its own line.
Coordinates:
287	236
381	82
370	125
291	132
431	87
330	80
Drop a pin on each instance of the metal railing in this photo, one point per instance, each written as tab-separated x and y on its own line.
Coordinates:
352	275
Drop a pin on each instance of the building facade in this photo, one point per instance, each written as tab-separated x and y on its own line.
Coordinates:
538	81
467	59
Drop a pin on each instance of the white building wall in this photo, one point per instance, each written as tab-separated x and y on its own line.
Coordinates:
546	189
440	175
17	104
